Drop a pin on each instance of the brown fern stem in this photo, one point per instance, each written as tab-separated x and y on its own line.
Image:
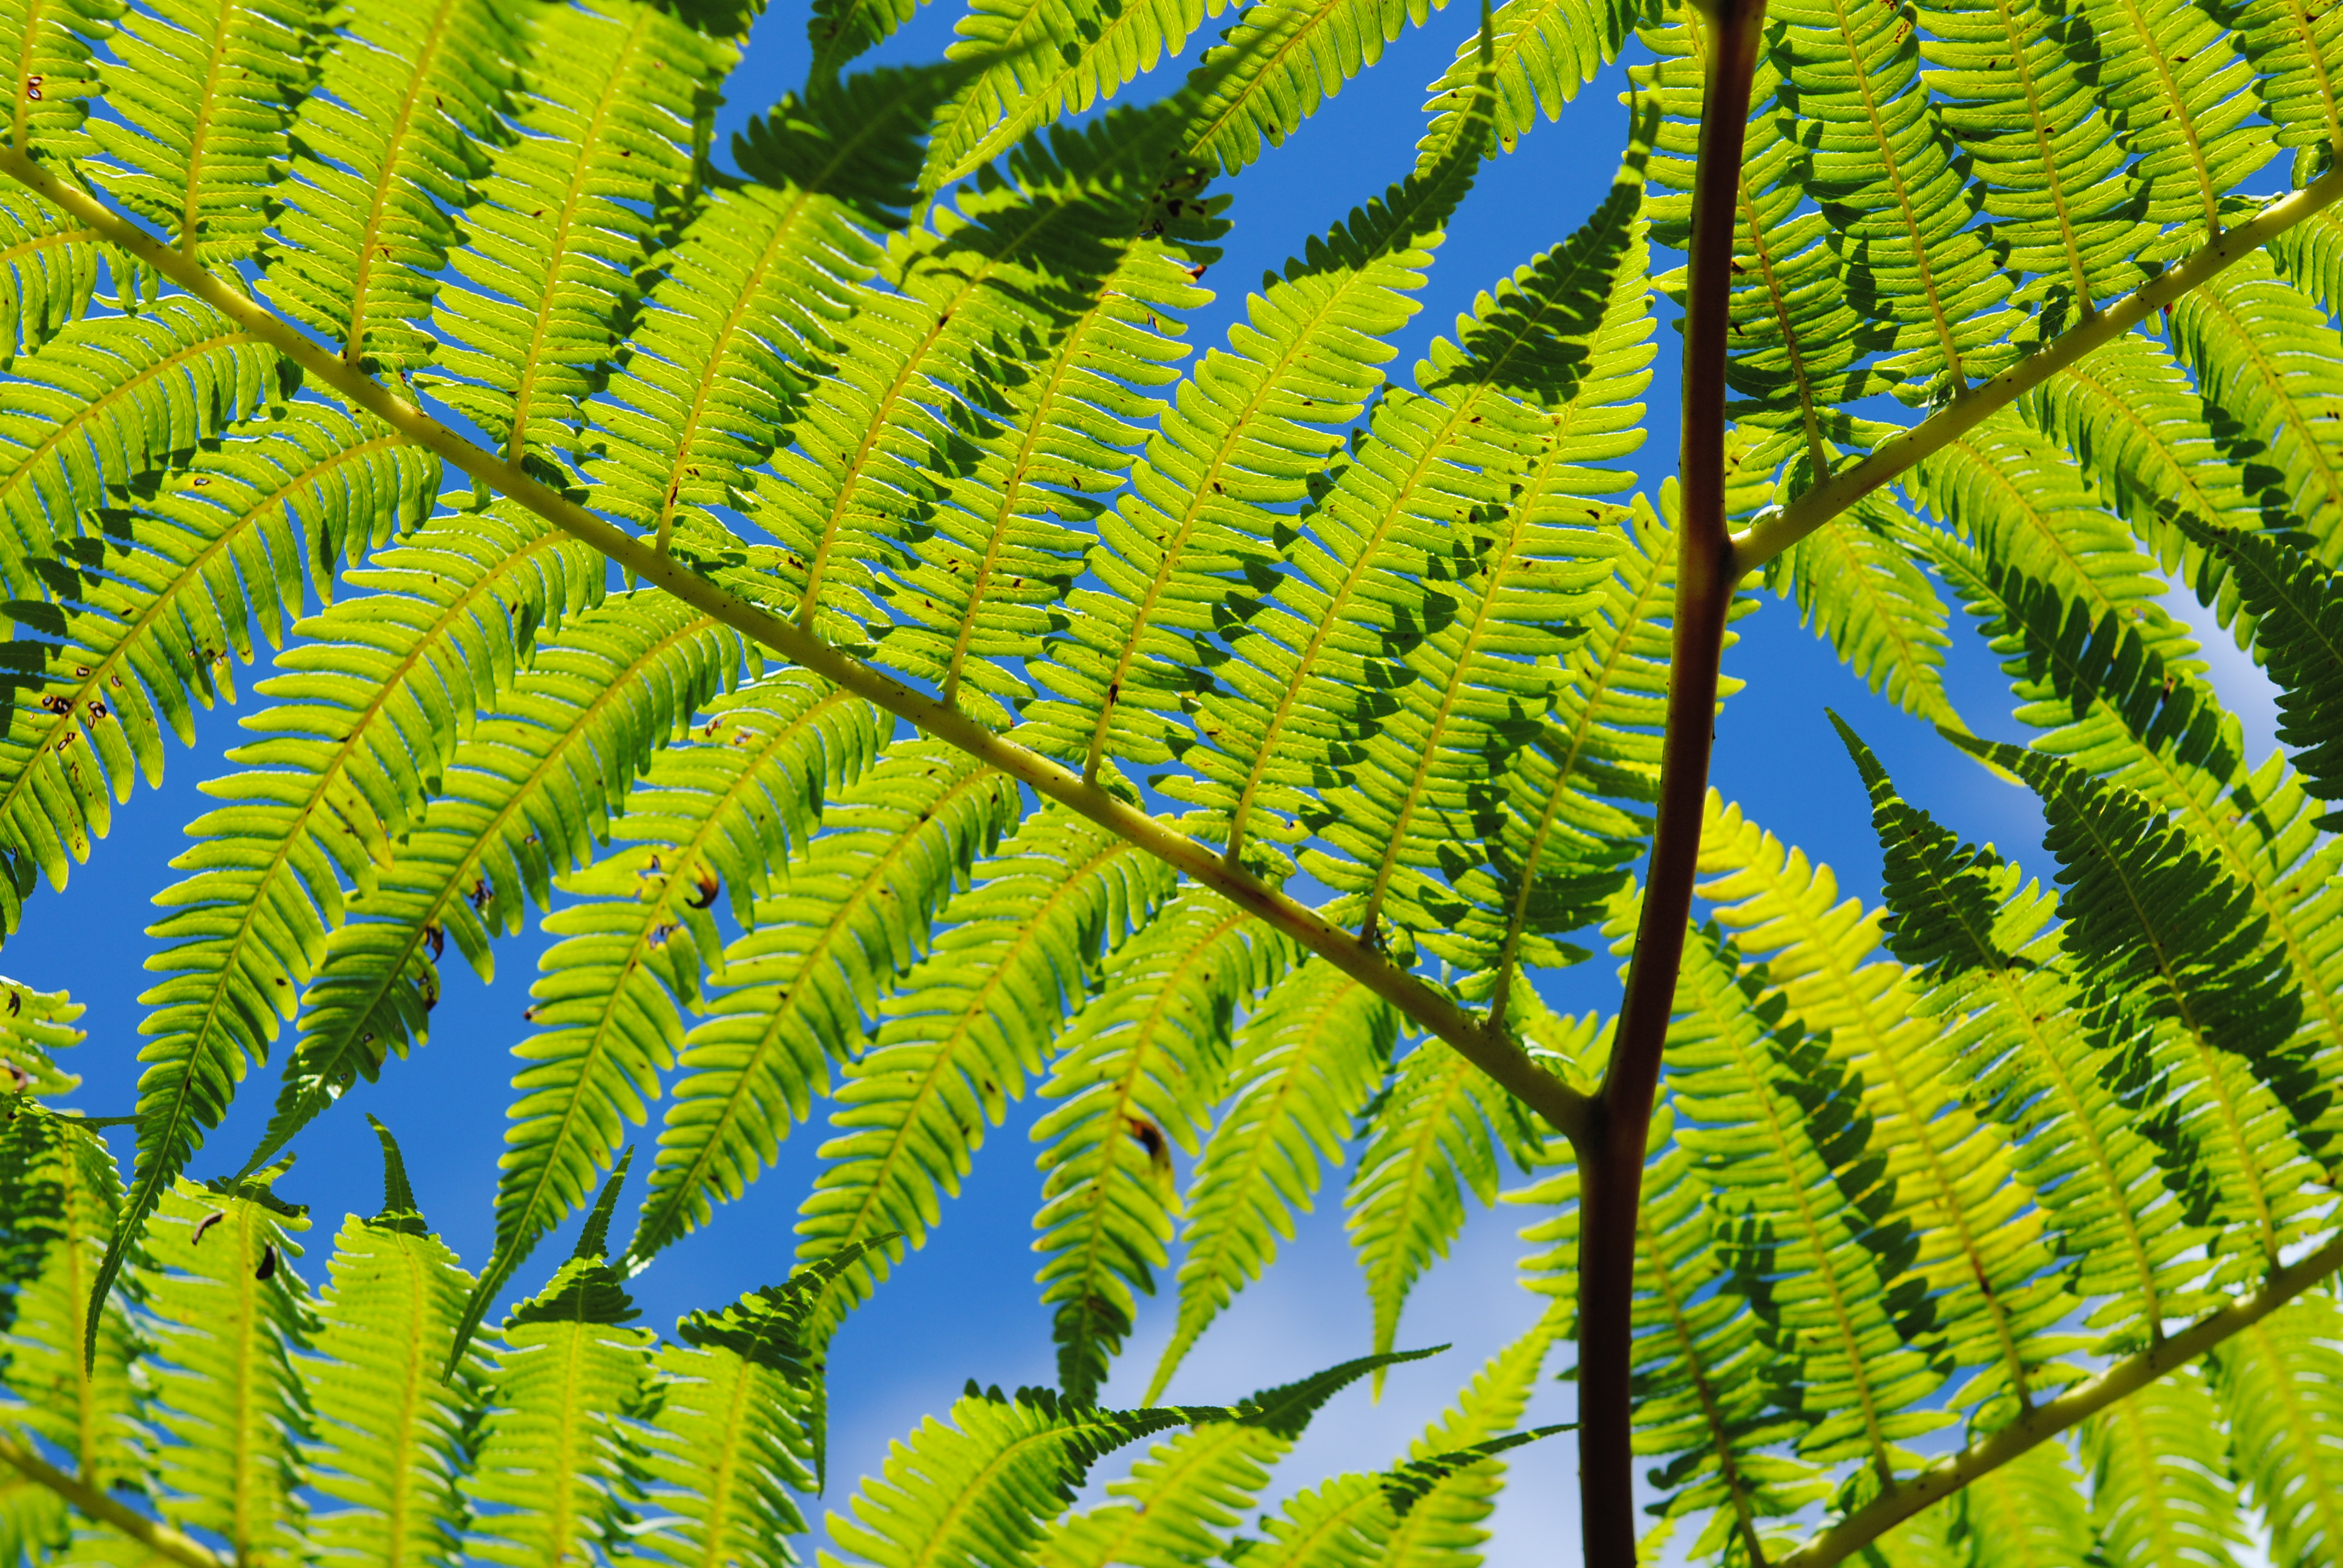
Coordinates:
1611	1149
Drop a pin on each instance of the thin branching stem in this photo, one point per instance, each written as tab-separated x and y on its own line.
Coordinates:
1611	1157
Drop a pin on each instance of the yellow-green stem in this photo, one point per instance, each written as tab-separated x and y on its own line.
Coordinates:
160	1539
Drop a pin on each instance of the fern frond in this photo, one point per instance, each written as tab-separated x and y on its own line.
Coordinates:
103	403
2170	76
1283	59
1433	466
2014	88
1776	1134
49	272
1862	594
2298	58
723	1455
373	707
2280	1384
2297	609
1973	933
1798	347
1017	261
2265	357
205	91
33	1026
1541	52
559	1458
1138	1072
50	44
528	795
1248	428
858	909
230	1317
146	628
1433	1135
755	286
2137	428
1446	1495
966	1030
2030	1513
725	811
569	214
1882	170
1308	1059
386	150
2159	1493
1472	690
2160	924
85	1405
1944	1171
392	1436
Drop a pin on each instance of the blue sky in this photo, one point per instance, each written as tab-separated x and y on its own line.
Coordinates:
967	1305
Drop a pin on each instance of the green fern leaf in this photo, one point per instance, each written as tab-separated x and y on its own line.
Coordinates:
2170	76
724	1455
230	1317
1881	172
2052	175
2297	609
1431	466
2158	1490
1541	52
206	90
1447	1488
1248	429
568	215
2297	57
2280	1383
559	1457
398	131
2158	923
1138	1071
1862	594
858	909
49	272
1975	936
85	1405
727	811
103	404
2029	1513
754	288
1776	1136
2265	357
1282	60
966	1030
527	796
145	637
1433	1135
1308	1059
391	1434
51	44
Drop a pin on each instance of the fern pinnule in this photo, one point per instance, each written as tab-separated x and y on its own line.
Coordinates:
726	810
817	954
1862	593
569	215
2159	1490
2033	1508
1137	1073
205	91
54	42
2297	59
50	272
2046	166
33	1026
2154	920
1249	427
108	402
966	1030
388	148
2186	118
528	795
2280	1386
1540	53
2266	358
722	1457
231	1321
1984	963
1307	1060
1445	1494
1385	528
1280	62
136	645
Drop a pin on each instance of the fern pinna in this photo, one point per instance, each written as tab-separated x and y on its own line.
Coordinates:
818	575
